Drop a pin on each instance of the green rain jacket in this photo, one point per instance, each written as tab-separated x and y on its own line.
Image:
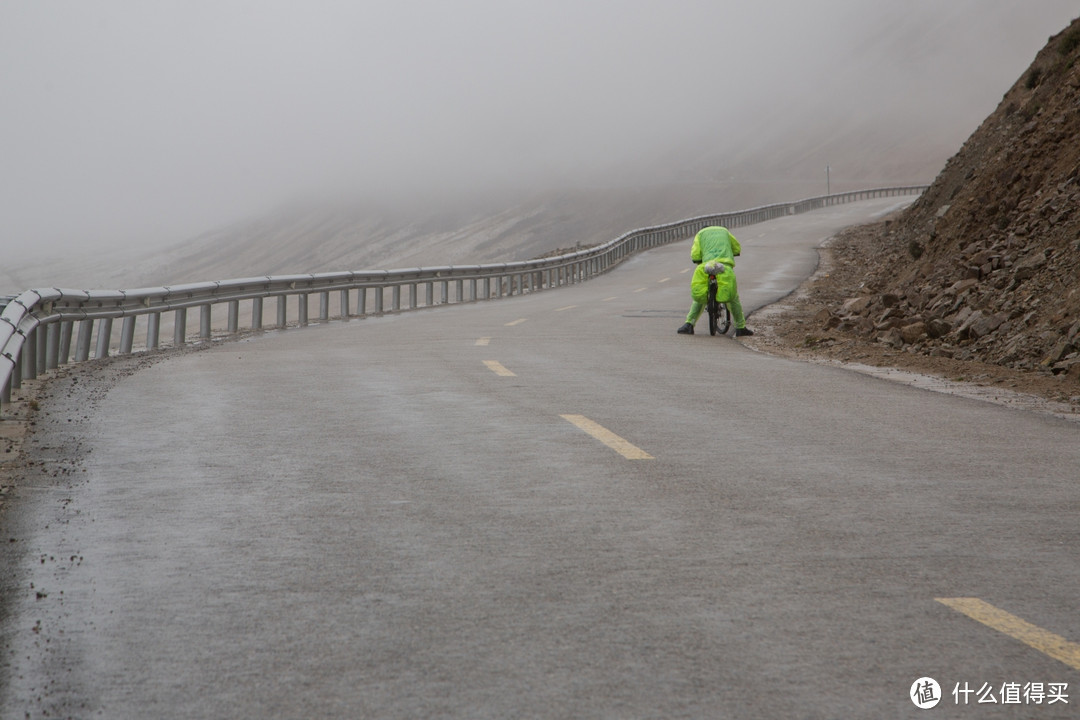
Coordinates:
714	243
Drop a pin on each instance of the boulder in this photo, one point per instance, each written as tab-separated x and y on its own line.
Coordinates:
911	333
1027	267
1068	368
966	321
857	305
986	324
1059	351
938	328
891	337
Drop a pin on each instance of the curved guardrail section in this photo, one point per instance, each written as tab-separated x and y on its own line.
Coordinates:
38	328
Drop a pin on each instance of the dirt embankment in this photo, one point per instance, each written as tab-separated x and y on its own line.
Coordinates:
979	280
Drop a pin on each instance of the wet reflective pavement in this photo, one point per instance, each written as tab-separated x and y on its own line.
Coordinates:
363	519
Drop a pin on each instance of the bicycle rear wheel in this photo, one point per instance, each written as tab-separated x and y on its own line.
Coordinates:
713	308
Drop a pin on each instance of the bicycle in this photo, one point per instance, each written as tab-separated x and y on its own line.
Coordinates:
719	315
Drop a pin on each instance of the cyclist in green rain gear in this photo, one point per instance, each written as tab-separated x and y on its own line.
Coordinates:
715	243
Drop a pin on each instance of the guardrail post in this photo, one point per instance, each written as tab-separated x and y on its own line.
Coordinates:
82	347
380	293
256	313
104	336
48	347
324	306
41	334
303	300
52	346
361	302
395	298
460	290
180	328
234	317
127	335
64	352
29	356
343	301
445	291
153	331
472	290
282	307
16	373
429	294
412	296
204	322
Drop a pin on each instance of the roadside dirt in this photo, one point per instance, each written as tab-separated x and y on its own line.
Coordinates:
976	283
803	327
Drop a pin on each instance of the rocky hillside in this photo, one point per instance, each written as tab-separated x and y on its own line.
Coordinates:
986	264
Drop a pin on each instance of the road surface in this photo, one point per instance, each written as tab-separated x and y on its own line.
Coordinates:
549	506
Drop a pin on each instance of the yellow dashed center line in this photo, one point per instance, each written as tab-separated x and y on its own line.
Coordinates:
684	270
497	367
663	280
568	307
1034	636
613	297
643	290
512	323
613	441
482	342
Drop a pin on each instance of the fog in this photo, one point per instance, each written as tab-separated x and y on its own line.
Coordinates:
130	122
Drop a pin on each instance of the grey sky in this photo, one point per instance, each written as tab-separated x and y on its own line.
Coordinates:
124	120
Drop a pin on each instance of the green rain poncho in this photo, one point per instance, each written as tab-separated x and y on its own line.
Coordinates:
715	243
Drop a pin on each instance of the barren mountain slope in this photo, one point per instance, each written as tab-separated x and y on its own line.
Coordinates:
985	267
462	231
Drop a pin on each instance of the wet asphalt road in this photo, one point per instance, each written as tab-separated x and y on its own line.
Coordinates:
402	517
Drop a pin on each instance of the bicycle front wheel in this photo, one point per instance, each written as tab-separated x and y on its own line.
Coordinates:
724	322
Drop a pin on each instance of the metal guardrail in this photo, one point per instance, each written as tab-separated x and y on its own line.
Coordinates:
38	327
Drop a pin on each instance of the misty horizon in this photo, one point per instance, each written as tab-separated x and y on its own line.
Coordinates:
156	123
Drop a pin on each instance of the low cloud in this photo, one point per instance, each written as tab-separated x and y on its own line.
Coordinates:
153	122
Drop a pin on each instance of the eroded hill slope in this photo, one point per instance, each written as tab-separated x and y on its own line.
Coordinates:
985	266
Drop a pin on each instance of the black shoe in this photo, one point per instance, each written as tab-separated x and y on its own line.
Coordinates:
740	332
686	329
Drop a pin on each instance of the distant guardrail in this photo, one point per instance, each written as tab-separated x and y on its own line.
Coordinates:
42	329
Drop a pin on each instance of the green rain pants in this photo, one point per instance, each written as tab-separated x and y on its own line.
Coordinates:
727	291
